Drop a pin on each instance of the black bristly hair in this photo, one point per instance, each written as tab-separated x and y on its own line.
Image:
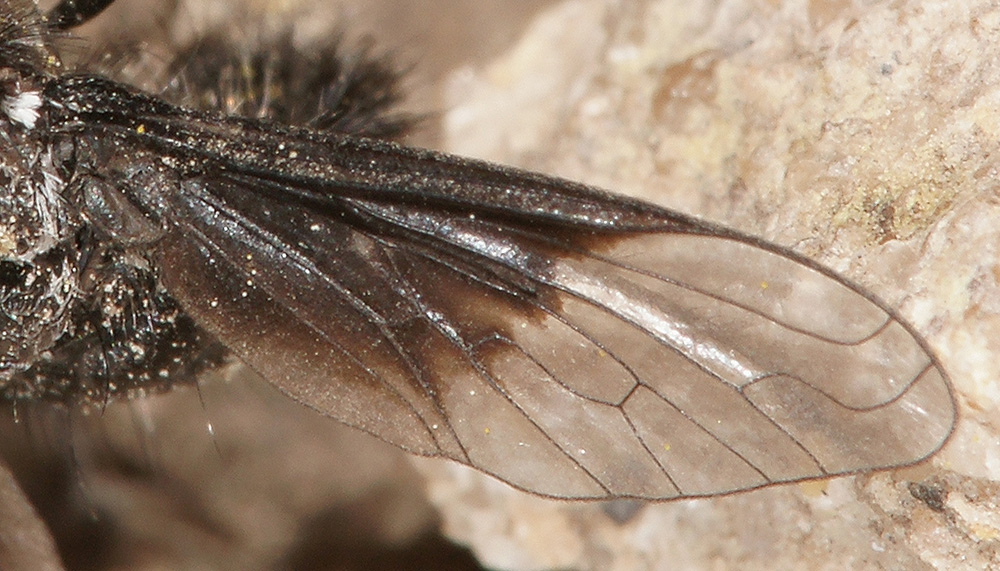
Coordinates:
571	342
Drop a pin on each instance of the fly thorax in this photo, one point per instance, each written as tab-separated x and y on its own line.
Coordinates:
39	259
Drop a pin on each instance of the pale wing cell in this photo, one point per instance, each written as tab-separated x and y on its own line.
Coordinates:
570	342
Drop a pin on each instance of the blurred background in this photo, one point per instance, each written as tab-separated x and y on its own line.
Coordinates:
230	474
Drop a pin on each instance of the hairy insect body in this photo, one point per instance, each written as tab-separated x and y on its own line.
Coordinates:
40	280
571	342
84	317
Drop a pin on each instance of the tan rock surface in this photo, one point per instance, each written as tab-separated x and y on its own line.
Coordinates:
862	135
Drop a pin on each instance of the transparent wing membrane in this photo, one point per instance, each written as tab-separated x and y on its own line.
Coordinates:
570	342
655	364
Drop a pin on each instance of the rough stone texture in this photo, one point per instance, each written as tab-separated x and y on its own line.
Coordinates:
862	134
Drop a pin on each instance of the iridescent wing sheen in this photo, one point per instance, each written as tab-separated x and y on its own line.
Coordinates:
572	343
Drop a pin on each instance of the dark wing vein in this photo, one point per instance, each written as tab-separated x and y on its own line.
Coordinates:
222	254
554	313
466	350
572	343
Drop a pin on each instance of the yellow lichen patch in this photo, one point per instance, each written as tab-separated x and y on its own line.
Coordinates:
897	200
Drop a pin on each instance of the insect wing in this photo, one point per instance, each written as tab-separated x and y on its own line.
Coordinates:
570	343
